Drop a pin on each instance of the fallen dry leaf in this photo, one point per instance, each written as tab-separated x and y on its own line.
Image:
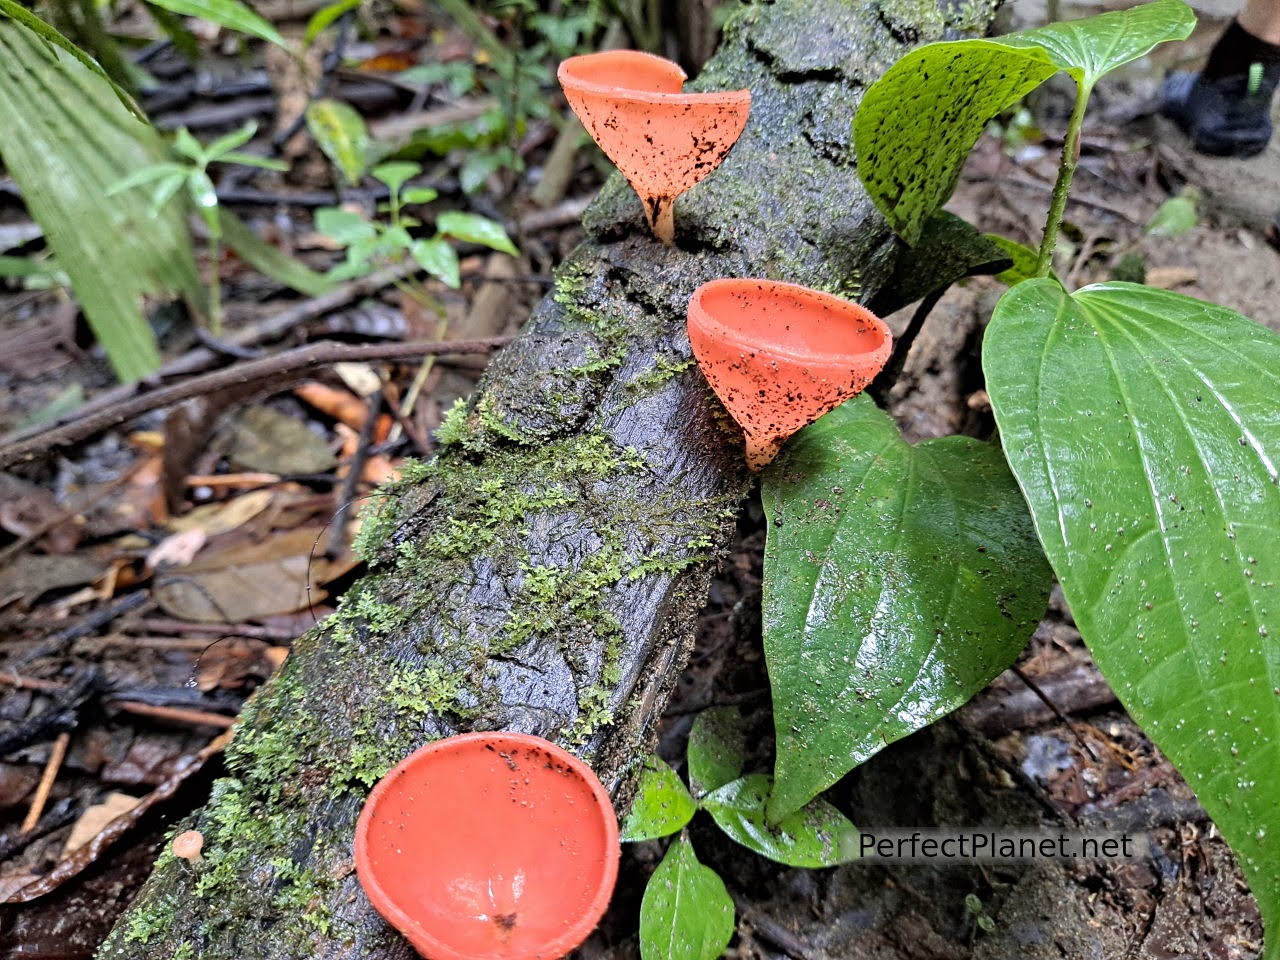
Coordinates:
95	818
239	583
71	865
218	518
1170	278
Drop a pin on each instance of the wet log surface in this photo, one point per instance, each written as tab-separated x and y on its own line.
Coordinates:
543	574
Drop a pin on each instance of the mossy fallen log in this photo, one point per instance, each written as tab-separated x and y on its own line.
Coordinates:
543	574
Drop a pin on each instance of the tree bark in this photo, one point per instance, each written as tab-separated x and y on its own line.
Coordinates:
544	573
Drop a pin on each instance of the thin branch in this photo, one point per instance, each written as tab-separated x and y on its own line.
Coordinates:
251	371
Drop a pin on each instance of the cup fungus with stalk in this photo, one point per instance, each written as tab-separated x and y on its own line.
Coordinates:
662	139
779	355
489	846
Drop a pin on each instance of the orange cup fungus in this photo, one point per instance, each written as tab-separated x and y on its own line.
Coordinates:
489	846
779	356
664	141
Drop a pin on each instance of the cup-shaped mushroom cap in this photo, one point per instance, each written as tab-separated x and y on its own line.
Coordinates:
779	356
664	141
489	846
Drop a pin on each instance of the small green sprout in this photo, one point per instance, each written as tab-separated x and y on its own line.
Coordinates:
191	170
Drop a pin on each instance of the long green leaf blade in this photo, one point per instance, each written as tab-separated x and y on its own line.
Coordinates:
1144	429
270	260
686	913
231	14
898	582
15	11
65	156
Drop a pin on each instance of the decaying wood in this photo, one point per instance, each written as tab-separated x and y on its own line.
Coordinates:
544	574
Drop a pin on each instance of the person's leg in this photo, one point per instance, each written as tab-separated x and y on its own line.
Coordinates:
1226	108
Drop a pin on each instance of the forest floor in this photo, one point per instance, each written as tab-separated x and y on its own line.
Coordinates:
146	588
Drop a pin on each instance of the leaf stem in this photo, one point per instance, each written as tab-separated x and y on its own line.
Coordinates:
1061	188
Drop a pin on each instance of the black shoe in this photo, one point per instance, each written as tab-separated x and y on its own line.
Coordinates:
1224	117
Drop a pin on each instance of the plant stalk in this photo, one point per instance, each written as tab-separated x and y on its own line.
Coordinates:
1062	187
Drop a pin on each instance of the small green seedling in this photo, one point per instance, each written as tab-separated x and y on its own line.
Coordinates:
686	913
978	914
191	171
371	244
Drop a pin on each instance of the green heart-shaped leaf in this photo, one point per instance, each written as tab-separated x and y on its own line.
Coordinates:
686	913
898	582
816	835
662	805
1091	47
1143	428
917	123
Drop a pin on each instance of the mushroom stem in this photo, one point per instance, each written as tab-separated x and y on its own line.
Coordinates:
661	214
761	453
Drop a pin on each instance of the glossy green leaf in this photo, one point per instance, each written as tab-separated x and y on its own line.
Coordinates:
341	133
662	805
326	16
20	14
343	225
1023	257
816	835
1143	428
231	14
917	123
686	913
419	195
439	259
1092	47
65	155
717	746
473	228
898	582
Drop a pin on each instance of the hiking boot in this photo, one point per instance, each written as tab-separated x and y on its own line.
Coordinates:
1224	117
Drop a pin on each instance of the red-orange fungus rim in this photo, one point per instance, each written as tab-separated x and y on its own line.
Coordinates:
663	140
779	355
489	846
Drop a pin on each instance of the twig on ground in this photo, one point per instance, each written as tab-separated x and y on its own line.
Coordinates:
338	529
85	625
51	768
201	358
182	715
251	371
